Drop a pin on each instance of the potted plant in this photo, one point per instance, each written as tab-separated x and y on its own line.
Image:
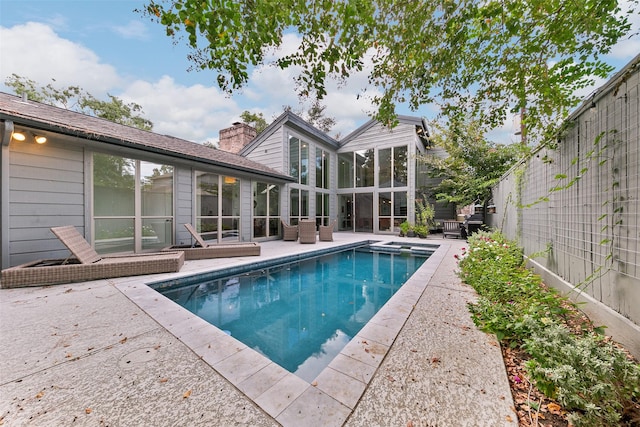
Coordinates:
421	231
404	228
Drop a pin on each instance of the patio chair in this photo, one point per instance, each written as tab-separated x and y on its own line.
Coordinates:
289	232
451	228
86	264
307	231
325	232
204	250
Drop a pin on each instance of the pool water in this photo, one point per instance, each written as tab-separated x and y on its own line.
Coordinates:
302	314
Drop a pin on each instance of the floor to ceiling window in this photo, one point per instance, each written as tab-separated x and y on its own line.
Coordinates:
217	207
132	204
392	174
323	171
378	180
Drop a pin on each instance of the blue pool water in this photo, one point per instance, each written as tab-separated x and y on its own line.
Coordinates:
301	314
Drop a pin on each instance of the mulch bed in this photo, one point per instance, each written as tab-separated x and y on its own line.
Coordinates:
535	409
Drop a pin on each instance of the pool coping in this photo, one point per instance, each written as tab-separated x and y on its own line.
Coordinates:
290	400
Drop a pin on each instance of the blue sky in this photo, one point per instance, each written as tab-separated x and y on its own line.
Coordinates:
103	46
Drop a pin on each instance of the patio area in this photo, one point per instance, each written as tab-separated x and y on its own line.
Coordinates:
114	352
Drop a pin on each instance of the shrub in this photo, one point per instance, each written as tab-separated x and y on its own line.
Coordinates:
587	375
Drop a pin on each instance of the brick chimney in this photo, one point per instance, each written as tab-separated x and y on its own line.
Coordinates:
233	139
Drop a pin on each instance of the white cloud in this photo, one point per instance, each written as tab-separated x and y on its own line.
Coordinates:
35	51
133	30
196	113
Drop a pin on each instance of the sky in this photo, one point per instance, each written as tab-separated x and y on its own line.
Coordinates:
105	47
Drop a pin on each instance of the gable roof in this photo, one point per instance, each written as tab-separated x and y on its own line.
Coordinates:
418	122
293	121
49	118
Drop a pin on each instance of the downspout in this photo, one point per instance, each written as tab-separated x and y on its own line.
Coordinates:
6	130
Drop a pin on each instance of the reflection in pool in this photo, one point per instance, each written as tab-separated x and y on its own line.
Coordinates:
300	315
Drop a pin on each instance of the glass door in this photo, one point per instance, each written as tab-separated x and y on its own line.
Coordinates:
363	212
345	212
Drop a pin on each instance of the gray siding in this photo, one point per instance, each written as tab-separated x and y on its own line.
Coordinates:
270	152
379	136
246	210
46	189
184	204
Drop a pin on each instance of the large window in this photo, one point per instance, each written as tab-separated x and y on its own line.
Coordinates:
322	169
365	167
345	170
266	210
392	167
132	204
322	208
217	207
299	160
392	210
299	205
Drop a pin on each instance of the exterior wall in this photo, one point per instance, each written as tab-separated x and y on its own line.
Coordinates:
50	185
246	210
381	137
184	196
46	188
590	230
270	152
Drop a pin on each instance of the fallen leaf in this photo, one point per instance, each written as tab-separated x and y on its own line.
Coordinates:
186	394
315	383
39	395
364	342
68	355
123	340
87	411
435	360
413	350
554	408
164	380
509	419
366	350
390	378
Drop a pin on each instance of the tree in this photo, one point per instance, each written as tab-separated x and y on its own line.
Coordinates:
76	99
315	115
256	120
474	165
478	59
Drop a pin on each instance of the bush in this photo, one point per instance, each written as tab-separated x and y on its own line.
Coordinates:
591	378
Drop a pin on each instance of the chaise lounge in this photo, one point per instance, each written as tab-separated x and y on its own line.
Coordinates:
87	264
205	250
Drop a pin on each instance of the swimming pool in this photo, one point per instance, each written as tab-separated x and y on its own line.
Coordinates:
300	314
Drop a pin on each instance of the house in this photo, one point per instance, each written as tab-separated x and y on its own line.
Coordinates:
129	190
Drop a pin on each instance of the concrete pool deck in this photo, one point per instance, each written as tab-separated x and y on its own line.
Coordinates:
114	352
